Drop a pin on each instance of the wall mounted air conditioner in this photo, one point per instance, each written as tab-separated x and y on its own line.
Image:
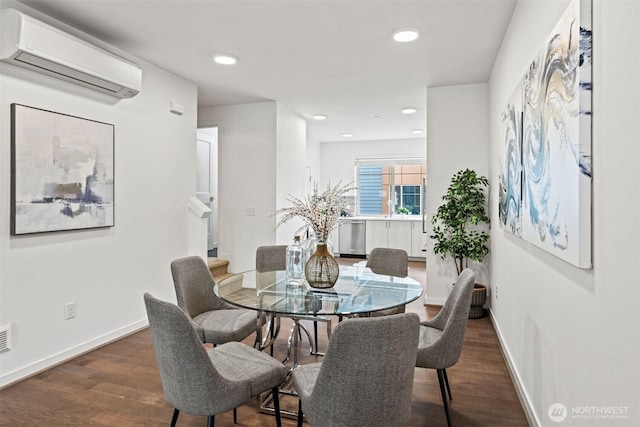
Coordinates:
30	43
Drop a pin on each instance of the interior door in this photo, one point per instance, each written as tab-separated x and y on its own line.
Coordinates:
206	178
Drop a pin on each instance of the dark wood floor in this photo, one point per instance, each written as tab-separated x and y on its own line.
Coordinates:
119	385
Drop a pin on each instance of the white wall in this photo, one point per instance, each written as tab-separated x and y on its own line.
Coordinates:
290	167
313	155
247	146
105	271
337	159
261	161
573	336
457	138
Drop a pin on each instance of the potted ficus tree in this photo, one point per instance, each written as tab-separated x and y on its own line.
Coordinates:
459	230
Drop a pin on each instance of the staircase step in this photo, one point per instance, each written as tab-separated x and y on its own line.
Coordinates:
221	277
232	282
217	267
217	262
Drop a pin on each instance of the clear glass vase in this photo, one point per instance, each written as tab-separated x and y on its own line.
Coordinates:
322	269
295	262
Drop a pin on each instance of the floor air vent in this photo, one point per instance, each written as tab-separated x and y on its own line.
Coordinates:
5	338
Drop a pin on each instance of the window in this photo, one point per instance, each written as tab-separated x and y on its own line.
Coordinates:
370	185
408	196
386	185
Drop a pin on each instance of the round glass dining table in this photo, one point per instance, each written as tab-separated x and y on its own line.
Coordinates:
357	291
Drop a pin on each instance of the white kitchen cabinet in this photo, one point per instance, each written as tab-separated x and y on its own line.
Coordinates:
418	239
376	235
388	234
400	235
334	240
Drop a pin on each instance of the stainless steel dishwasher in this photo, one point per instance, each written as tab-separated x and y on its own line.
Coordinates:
352	239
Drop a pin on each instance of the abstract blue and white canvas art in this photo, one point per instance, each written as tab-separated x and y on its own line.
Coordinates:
556	209
62	172
545	165
510	161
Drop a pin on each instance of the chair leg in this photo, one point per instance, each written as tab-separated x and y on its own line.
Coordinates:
211	419
315	335
300	414
445	401
446	381
174	419
272	333
276	405
235	415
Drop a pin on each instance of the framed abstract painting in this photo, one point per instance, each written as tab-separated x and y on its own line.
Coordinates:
61	172
510	161
553	102
557	141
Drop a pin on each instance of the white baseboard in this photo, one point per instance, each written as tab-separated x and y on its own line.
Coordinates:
525	400
32	369
434	301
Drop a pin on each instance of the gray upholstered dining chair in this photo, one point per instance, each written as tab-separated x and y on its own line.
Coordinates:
389	262
441	337
270	258
207	382
356	387
215	321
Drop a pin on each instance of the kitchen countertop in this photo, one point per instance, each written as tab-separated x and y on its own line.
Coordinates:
386	218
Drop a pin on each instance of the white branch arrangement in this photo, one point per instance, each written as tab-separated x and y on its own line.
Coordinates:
322	212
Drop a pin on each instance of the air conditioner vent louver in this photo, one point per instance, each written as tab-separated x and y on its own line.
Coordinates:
67	73
5	338
32	44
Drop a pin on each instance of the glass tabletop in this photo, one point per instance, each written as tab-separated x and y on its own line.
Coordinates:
358	290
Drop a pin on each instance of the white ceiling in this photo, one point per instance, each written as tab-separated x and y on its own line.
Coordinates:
316	56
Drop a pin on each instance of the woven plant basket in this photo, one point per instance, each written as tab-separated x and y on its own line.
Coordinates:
478	298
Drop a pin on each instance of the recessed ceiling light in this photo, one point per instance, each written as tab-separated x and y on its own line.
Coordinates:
405	35
347	135
319	117
408	110
417	131
225	59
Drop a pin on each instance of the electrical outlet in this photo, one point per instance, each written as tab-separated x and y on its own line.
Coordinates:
496	292
70	310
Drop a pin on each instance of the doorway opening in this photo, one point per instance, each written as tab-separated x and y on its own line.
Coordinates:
207	181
